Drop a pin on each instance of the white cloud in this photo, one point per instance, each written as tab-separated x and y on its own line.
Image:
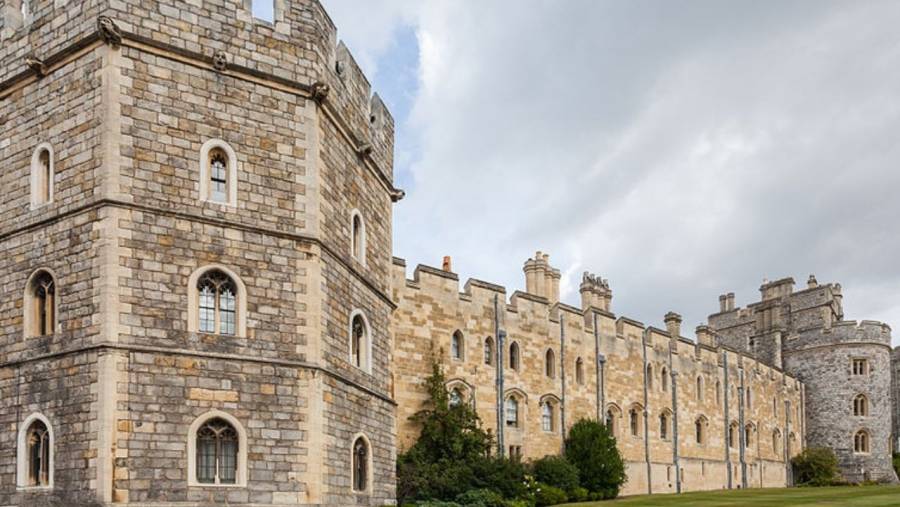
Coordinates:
681	149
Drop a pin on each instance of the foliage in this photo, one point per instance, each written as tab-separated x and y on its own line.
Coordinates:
556	471
548	495
452	455
481	498
579	494
592	449
815	466
896	461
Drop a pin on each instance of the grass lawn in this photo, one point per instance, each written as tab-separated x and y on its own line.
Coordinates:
849	496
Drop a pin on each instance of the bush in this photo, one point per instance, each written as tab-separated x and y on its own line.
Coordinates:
503	475
548	495
896	461
592	449
815	466
556	471
579	494
481	498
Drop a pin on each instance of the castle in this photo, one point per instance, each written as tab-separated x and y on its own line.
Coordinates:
200	303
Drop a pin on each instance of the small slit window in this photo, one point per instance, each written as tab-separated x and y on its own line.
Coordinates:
514	356
357	237
550	364
457	346
360	341
579	371
218	173
700	431
360	465
42	176
488	351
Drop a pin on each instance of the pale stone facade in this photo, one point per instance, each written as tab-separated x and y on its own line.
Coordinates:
601	365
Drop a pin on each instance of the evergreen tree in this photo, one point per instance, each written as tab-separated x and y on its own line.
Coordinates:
592	449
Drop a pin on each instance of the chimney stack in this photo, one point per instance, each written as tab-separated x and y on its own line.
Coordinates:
812	283
446	265
723	303
595	292
541	279
673	324
730	305
705	336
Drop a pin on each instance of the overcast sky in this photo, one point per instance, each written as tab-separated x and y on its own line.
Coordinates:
679	149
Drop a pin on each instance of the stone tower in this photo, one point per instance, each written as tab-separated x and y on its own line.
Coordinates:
196	248
844	365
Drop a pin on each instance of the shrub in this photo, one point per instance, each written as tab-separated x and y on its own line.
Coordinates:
896	461
579	494
481	498
592	449
503	475
556	471
815	466
548	495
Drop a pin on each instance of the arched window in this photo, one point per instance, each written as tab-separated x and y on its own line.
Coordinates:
514	356
457	346
360	341
634	420
456	397
512	412
664	425
718	392
579	371
748	436
357	237
699	388
217	304
217	451
488	351
550	364
776	442
42	172
612	414
700	430
861	442
664	379
749	397
861	405
40	305
35	454
733	435
649	376
218	172
360	465
547	416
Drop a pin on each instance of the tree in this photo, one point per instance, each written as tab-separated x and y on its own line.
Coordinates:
815	466
592	449
452	454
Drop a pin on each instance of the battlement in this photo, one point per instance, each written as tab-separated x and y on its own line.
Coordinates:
842	332
298	51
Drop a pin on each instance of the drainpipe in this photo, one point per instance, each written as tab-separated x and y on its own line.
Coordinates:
741	431
646	335
727	423
562	375
675	456
598	365
499	339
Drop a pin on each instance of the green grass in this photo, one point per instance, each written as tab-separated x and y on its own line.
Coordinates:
848	496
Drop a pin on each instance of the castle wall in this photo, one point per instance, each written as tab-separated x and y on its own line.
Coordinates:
431	308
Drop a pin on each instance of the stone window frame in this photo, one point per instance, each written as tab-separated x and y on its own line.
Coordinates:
699	387
718	392
28	304
193	314
579	371
366	350
466	390
777	445
862	441
550	363
636	420
732	439
861	404
240	480
515	356
666	419
36	176
458	346
358	245
701	423
370	475
664	379
22	454
613	415
749	433
232	172
551	401
649	376
488	350
521	401
866	366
